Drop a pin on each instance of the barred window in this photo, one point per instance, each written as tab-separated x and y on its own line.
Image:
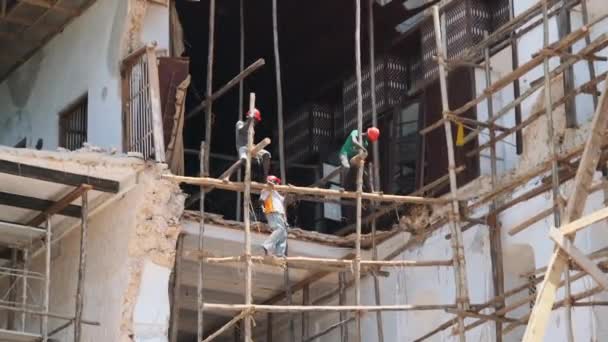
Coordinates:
73	125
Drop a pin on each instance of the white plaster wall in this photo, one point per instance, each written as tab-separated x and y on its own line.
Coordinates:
528	45
83	59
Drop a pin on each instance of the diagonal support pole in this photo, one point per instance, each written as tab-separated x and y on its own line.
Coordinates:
579	257
545	299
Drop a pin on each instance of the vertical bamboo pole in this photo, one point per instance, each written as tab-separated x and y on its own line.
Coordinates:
557	206
246	205
287	285
81	267
590	65
375	170
379	325
462	297
516	85
305	301
26	256
11	320
269	327
360	166
201	245
239	173
176	289
47	282
495	236
277	67
342	301
205	166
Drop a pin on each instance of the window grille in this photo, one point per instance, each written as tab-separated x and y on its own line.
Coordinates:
73	125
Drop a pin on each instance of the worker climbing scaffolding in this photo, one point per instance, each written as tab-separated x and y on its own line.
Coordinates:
263	157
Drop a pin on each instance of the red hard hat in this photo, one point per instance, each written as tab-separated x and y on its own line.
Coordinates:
256	115
373	133
273	179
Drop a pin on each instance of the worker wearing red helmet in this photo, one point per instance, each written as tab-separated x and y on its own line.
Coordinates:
263	157
352	146
273	205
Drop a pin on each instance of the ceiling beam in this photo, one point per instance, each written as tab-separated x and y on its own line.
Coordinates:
13	20
32	203
57	176
52	6
59	205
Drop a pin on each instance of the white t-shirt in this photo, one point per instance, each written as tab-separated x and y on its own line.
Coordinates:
273	202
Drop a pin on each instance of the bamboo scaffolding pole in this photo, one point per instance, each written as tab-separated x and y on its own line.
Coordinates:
518	303
326	308
205	167
597	45
201	246
537	114
590	64
329	329
230	324
290	189
557	305
47	282
314	262
568	79
177	280
231	84
462	297
241	95
81	267
247	217
387	209
495	227
558	262
305	316
360	165
563	44
26	258
279	90
342	301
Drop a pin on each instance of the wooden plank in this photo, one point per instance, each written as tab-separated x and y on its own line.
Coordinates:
57	176
576	225
540	315
583	261
59	205
26	202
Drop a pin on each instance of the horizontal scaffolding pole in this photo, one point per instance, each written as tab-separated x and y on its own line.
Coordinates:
335	308
290	189
299	261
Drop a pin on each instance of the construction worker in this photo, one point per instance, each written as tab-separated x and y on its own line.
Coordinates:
263	157
273	205
351	146
350	149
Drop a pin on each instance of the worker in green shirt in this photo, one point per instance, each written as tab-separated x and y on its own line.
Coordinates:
352	146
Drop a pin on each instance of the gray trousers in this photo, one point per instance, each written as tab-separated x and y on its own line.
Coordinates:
276	243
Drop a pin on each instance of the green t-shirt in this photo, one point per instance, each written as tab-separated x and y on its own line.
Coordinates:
349	148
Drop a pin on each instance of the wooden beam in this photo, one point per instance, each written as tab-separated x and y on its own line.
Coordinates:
330	308
59	205
52	6
233	82
290	189
32	203
57	176
583	261
576	225
539	317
